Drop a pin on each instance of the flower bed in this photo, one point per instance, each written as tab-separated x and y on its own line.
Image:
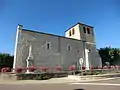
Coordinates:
41	73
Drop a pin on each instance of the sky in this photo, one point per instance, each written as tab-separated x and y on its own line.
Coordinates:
55	16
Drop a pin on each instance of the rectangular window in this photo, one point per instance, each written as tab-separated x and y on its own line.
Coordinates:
84	29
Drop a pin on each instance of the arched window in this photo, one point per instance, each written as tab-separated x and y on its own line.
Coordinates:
88	30
69	33
73	31
84	29
48	45
68	48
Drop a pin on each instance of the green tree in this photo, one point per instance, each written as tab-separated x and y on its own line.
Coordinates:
6	60
111	55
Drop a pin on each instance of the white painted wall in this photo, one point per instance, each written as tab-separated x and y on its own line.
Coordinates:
19	28
77	32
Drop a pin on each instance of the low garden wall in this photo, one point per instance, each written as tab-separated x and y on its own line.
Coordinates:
31	76
40	76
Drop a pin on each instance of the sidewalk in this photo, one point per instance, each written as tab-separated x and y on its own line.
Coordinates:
70	79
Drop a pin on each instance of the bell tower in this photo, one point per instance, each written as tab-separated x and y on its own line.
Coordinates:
81	32
85	33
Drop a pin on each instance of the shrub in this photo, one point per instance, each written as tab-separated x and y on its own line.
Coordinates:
37	78
45	78
42	77
77	72
91	73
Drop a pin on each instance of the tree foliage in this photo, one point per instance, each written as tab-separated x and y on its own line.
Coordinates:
111	55
6	60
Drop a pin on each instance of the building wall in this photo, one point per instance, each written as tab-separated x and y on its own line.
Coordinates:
71	56
58	54
38	42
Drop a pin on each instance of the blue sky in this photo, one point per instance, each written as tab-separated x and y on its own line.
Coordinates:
55	16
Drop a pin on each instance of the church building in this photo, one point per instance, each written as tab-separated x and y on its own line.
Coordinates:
43	49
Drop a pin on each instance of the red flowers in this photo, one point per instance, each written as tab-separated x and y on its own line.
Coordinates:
99	67
112	67
44	69
58	68
18	70
83	67
31	68
105	67
72	67
117	67
5	69
91	67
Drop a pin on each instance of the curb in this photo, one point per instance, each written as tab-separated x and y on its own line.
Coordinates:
54	82
100	79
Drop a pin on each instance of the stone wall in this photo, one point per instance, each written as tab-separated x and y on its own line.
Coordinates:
58	53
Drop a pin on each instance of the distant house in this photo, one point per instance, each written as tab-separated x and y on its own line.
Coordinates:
52	50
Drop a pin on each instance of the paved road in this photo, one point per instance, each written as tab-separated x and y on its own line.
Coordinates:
94	85
112	81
